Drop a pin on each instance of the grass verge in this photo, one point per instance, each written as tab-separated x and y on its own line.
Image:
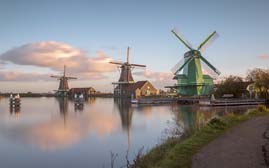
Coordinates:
174	153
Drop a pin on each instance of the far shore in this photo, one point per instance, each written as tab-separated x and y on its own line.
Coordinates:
30	94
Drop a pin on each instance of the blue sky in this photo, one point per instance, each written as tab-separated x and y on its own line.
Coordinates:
110	26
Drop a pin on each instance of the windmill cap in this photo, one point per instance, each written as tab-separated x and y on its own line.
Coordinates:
191	53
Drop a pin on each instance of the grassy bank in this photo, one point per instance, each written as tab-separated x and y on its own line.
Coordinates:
176	153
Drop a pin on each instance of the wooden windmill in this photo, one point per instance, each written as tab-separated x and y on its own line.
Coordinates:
122	87
63	85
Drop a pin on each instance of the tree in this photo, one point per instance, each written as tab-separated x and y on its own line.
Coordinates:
260	79
231	85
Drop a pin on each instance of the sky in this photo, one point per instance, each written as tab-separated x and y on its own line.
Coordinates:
39	36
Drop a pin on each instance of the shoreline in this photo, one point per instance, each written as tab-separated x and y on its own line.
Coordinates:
109	95
178	152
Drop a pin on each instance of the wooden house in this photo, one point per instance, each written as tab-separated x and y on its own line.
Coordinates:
138	89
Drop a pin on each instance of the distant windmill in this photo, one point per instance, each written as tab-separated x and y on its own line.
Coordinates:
126	77
63	85
192	82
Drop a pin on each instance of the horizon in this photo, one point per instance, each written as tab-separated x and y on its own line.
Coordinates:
38	38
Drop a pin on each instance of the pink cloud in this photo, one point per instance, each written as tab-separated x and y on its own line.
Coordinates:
263	57
54	55
21	76
159	79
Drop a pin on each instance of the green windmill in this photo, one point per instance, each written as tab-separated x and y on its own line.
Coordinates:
193	81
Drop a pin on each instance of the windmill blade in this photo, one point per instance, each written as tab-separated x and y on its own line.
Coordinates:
117	63
208	71
70	77
210	65
55	76
182	66
138	65
178	65
185	42
209	40
128	55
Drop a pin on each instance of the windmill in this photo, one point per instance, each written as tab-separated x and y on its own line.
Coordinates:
193	82
63	85
126	79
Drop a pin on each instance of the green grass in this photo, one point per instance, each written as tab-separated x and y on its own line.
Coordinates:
175	153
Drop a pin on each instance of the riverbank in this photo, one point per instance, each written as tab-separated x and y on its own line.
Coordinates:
175	152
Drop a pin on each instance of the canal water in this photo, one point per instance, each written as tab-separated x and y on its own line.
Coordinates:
54	133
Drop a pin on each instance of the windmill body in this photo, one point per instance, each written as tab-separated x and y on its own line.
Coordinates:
192	81
63	88
126	74
123	87
63	85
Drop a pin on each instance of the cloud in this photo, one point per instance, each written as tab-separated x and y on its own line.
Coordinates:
157	76
20	76
159	79
54	55
263	57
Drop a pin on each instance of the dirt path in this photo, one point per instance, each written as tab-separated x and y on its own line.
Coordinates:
240	147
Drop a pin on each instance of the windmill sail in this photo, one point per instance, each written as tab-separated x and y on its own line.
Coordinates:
70	77
208	71
55	76
182	66
208	41
138	65
210	65
185	42
116	62
177	66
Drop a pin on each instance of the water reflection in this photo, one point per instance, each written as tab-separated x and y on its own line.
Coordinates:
63	105
15	111
79	106
126	112
188	118
56	133
52	128
54	125
91	100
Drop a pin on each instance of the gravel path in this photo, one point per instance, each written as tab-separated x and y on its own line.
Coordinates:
243	146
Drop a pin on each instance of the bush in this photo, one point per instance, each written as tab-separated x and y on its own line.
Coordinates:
231	85
217	123
262	108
